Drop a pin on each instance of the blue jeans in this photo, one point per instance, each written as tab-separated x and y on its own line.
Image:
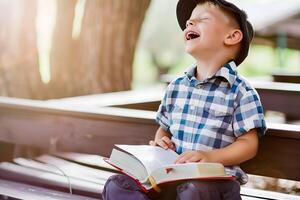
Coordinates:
122	187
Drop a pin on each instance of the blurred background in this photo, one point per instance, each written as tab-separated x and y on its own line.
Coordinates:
275	48
52	49
55	49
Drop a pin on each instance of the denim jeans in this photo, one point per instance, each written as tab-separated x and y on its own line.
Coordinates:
122	187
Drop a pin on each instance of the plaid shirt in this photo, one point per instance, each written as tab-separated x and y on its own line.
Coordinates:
211	114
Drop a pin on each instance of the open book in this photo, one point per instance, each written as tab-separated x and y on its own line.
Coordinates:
151	166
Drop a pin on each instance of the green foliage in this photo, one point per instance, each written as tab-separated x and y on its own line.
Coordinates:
264	60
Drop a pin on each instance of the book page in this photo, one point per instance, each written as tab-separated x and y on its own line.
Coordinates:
152	157
128	163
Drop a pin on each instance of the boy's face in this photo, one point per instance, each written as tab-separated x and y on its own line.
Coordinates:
206	30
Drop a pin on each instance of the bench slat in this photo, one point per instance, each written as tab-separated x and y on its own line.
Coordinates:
24	191
76	170
263	194
90	160
13	172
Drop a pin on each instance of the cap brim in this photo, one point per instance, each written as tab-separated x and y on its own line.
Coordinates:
184	10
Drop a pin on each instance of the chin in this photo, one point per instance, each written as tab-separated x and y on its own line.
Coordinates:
190	50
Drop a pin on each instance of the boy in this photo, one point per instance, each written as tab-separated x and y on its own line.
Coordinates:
211	114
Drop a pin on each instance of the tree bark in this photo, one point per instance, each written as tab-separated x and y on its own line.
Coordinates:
19	72
101	58
98	60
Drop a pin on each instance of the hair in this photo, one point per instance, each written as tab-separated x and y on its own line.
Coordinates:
214	4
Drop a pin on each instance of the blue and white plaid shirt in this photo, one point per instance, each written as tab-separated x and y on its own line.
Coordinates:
211	114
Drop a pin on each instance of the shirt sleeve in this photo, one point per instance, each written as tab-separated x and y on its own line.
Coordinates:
162	116
249	114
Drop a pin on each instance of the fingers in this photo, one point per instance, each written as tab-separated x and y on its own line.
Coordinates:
164	142
168	141
152	143
183	157
195	158
190	156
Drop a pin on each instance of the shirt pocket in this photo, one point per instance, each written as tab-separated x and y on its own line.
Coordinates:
218	111
219	118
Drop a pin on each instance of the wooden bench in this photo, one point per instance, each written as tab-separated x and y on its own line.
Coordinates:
92	130
86	173
282	97
290	77
275	96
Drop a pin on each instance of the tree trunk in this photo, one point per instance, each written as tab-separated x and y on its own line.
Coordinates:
97	60
100	59
19	72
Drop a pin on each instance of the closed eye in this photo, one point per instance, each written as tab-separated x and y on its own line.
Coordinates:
205	18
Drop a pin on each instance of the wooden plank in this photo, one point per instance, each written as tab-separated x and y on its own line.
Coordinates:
41	178
95	161
249	198
153	94
10	189
66	168
274	155
281	97
76	170
286	77
67	129
264	194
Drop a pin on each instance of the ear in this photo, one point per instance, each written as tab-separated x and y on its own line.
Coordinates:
233	37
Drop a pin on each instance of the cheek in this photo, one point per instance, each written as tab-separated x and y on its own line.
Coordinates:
219	33
213	31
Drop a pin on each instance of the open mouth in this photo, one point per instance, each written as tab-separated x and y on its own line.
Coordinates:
191	35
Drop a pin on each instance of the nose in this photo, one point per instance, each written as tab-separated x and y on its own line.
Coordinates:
190	23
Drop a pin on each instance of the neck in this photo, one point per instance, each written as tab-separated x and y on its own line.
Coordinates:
208	64
206	69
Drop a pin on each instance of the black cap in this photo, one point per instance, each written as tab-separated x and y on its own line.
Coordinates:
186	7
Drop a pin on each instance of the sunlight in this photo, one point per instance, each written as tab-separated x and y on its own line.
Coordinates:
79	13
45	22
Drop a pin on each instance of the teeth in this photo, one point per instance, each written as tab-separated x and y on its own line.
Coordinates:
191	35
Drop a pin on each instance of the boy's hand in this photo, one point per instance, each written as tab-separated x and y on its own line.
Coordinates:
164	142
192	156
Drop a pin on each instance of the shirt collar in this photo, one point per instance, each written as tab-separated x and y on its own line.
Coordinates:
228	71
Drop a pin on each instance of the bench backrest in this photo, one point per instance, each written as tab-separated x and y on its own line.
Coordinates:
90	130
